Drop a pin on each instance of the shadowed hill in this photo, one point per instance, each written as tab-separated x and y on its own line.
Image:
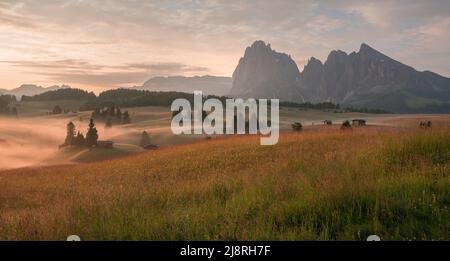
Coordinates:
61	94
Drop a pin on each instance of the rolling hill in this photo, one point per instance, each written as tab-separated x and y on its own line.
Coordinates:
325	185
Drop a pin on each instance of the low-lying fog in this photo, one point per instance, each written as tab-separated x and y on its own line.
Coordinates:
33	141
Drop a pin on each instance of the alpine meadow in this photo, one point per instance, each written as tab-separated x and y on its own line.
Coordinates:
224	129
324	184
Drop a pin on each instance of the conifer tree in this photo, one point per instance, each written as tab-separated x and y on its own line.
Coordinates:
70	136
91	135
145	139
80	140
126	118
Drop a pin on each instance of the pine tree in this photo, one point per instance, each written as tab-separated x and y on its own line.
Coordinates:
112	111
118	114
57	110
70	134
126	118
91	135
145	139
80	140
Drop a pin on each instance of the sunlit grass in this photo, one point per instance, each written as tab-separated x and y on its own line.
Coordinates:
317	185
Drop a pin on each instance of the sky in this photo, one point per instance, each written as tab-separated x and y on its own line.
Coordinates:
101	44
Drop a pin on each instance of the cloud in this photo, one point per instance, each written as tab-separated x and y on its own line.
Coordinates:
101	79
8	18
169	68
85	73
373	13
323	24
71	38
89	43
68	64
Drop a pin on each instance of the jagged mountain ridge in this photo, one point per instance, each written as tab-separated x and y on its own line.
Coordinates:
366	78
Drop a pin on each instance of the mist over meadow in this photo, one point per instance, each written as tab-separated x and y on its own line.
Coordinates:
34	141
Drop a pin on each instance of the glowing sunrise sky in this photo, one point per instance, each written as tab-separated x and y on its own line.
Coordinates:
99	44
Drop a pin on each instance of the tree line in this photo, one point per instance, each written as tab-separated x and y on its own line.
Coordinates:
111	115
336	108
123	97
76	138
61	94
137	98
5	105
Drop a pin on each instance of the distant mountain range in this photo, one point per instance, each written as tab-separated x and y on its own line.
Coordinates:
30	90
363	79
207	84
367	78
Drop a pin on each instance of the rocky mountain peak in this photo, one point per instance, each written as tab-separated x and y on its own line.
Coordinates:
366	48
336	56
366	78
313	62
265	73
365	51
313	69
259	44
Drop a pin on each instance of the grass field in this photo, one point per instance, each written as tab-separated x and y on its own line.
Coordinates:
325	184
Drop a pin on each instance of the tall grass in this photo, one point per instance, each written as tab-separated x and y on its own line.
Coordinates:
324	185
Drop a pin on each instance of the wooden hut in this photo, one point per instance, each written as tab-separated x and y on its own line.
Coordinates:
105	144
358	122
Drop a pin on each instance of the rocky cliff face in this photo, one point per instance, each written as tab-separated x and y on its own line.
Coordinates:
265	73
367	78
371	79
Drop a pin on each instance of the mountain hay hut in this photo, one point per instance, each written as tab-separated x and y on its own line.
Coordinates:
105	144
358	122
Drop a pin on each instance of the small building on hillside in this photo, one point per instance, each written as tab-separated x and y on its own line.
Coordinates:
105	144
358	122
327	122
151	147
